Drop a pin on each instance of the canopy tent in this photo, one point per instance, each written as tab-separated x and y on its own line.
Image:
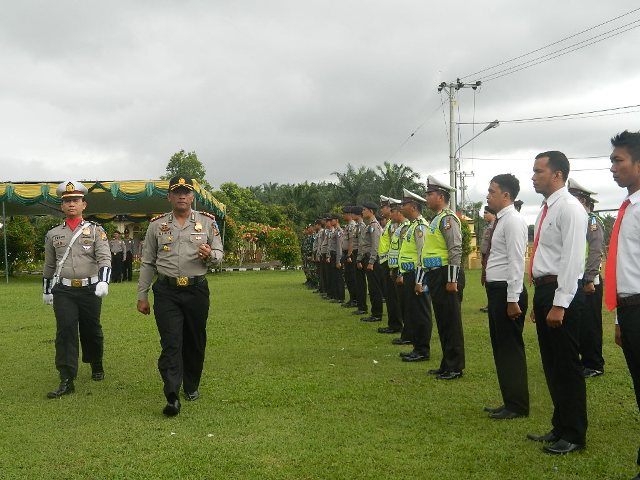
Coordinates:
135	200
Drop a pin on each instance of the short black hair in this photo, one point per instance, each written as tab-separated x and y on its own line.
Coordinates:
488	209
630	141
557	161
508	183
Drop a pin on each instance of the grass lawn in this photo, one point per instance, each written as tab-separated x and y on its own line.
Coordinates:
293	387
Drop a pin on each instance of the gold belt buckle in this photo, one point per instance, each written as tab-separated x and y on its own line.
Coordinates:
76	282
182	281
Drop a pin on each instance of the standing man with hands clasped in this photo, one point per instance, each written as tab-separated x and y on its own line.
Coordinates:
76	274
179	247
556	266
503	273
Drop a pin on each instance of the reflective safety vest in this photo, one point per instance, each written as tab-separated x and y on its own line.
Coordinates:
435	252
384	243
408	256
395	242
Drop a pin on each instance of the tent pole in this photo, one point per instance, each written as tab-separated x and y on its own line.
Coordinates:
4	232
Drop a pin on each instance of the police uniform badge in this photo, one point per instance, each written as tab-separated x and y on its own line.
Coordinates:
86	231
165	248
164	227
446	224
594	224
419	231
198	227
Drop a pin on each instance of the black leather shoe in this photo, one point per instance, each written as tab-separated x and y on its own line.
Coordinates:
336	300
400	341
191	396
493	410
591	372
505	415
415	357
65	388
97	372
370	319
435	371
449	375
359	312
349	305
172	408
387	330
561	447
407	354
547	437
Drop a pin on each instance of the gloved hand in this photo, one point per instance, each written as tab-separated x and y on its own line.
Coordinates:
102	289
47	298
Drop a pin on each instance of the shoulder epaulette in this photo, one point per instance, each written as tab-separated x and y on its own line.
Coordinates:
157	217
210	215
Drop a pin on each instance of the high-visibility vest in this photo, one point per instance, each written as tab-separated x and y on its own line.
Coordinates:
395	242
408	256
435	252
384	243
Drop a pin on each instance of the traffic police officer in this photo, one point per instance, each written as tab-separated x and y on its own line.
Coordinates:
394	322
77	269
402	224
440	263
179	247
591	326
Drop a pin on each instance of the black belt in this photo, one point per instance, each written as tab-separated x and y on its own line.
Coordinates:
629	301
181	281
545	280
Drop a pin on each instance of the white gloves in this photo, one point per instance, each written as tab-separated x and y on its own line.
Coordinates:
47	298
102	289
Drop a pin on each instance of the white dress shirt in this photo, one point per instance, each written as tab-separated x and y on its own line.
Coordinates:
562	243
628	259
506	255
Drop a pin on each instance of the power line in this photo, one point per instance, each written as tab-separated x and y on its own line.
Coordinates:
551	44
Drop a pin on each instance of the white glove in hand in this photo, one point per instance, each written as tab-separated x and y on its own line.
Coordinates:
47	298
102	289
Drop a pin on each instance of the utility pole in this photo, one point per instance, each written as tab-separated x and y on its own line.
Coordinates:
451	89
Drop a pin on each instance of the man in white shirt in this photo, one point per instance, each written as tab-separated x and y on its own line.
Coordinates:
622	285
506	246
556	266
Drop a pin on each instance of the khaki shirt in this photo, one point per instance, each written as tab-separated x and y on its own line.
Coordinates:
88	254
369	239
171	249
117	246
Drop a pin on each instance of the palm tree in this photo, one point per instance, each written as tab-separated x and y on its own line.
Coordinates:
392	178
355	186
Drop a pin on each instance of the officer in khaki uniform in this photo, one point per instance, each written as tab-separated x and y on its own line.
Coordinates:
118	251
360	274
394	323
367	259
76	273
179	247
591	324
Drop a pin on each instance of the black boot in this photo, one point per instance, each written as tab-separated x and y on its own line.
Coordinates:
66	387
97	371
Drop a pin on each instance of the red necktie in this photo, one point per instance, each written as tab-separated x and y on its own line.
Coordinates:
535	241
485	259
610	286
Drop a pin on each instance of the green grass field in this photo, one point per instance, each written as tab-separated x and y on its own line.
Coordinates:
293	387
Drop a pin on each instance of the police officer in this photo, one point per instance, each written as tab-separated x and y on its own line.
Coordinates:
179	247
440	262
367	259
118	250
335	260
591	325
417	303
360	274
348	263
77	269
324	256
127	263
394	322
402	224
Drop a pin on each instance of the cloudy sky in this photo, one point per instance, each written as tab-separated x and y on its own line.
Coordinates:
287	91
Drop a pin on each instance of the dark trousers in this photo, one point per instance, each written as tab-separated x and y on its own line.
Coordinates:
508	347
447	310
328	287
320	266
374	281
127	267
77	309
591	331
116	267
361	287
561	364
181	316
336	278
394	314
348	269
417	315
629	321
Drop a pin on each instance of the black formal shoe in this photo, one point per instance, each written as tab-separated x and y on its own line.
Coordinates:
591	372
349	305
387	330
449	375
191	396
435	371
415	357
97	372
493	410
484	309
547	437
370	319
359	312
172	408
65	388
505	415
407	354
400	341
561	447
